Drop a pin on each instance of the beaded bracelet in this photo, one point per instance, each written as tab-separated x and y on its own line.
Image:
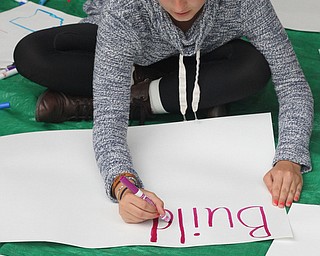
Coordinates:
122	193
133	179
118	192
117	181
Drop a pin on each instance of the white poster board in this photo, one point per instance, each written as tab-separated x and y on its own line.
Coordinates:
305	221
208	172
23	20
301	15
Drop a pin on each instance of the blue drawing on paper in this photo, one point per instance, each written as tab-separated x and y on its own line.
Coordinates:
39	20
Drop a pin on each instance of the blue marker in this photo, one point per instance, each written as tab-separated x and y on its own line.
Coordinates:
4	105
21	2
42	2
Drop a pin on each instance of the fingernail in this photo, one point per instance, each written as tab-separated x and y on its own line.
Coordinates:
281	204
275	202
296	198
289	203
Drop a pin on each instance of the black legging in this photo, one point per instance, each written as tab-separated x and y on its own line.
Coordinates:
59	58
62	59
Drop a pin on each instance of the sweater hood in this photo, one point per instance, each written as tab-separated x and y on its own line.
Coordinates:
186	43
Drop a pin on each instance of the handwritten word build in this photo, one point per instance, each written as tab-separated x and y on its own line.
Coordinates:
251	218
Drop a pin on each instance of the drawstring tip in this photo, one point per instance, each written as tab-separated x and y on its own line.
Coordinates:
184	118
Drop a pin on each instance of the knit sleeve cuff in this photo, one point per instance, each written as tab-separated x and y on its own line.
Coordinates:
302	158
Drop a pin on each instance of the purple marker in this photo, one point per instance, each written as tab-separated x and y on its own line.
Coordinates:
8	71
136	191
8	68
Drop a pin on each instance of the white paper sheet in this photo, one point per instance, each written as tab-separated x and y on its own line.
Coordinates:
208	172
21	21
299	14
305	221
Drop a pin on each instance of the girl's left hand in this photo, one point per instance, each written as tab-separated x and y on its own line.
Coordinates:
284	182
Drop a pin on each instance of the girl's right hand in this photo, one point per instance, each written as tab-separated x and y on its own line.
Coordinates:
133	209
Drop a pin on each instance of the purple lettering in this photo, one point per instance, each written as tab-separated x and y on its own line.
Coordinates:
211	213
254	229
155	227
195	219
180	218
154	233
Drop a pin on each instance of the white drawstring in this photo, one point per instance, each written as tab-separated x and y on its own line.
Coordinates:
196	89
183	87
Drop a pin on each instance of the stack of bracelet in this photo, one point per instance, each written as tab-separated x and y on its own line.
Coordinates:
120	191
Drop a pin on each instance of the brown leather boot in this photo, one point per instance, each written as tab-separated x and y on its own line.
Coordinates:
57	107
140	108
142	73
216	111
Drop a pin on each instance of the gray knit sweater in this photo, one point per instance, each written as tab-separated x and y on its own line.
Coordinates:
141	32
